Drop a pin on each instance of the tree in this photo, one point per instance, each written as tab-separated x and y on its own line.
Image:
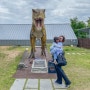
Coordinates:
74	22
88	21
76	25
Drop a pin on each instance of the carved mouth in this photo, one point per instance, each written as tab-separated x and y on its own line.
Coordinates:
38	22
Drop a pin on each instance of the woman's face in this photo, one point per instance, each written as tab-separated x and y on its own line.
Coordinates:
60	39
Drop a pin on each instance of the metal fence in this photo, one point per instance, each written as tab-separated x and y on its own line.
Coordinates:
84	42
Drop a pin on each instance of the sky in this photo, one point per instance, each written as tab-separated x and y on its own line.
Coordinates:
56	11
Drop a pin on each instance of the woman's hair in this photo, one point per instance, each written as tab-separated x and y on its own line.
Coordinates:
55	38
63	38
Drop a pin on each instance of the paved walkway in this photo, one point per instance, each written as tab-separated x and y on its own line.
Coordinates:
36	84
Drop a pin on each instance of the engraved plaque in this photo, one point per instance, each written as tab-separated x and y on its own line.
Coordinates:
39	63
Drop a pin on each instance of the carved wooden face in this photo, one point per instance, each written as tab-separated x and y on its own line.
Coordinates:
38	16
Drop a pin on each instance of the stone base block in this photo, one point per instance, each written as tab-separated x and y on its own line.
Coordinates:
39	66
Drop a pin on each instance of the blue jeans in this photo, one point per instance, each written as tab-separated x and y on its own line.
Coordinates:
61	74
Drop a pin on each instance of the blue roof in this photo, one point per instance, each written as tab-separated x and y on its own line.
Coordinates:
22	31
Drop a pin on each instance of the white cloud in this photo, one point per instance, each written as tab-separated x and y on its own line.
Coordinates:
27	17
20	4
4	10
57	11
3	17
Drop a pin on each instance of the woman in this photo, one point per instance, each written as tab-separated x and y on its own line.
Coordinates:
56	48
60	73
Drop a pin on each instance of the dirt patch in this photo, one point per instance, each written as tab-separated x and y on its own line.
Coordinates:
11	54
4	47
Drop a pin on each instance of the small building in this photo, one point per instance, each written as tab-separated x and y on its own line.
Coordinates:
84	38
85	31
19	34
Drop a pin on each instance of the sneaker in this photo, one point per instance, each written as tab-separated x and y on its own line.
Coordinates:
58	82
68	85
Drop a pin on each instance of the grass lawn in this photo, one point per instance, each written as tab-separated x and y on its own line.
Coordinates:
78	68
9	59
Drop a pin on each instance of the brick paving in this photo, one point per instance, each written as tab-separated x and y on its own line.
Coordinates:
26	72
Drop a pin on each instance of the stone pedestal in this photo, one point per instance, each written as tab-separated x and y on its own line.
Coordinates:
39	66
